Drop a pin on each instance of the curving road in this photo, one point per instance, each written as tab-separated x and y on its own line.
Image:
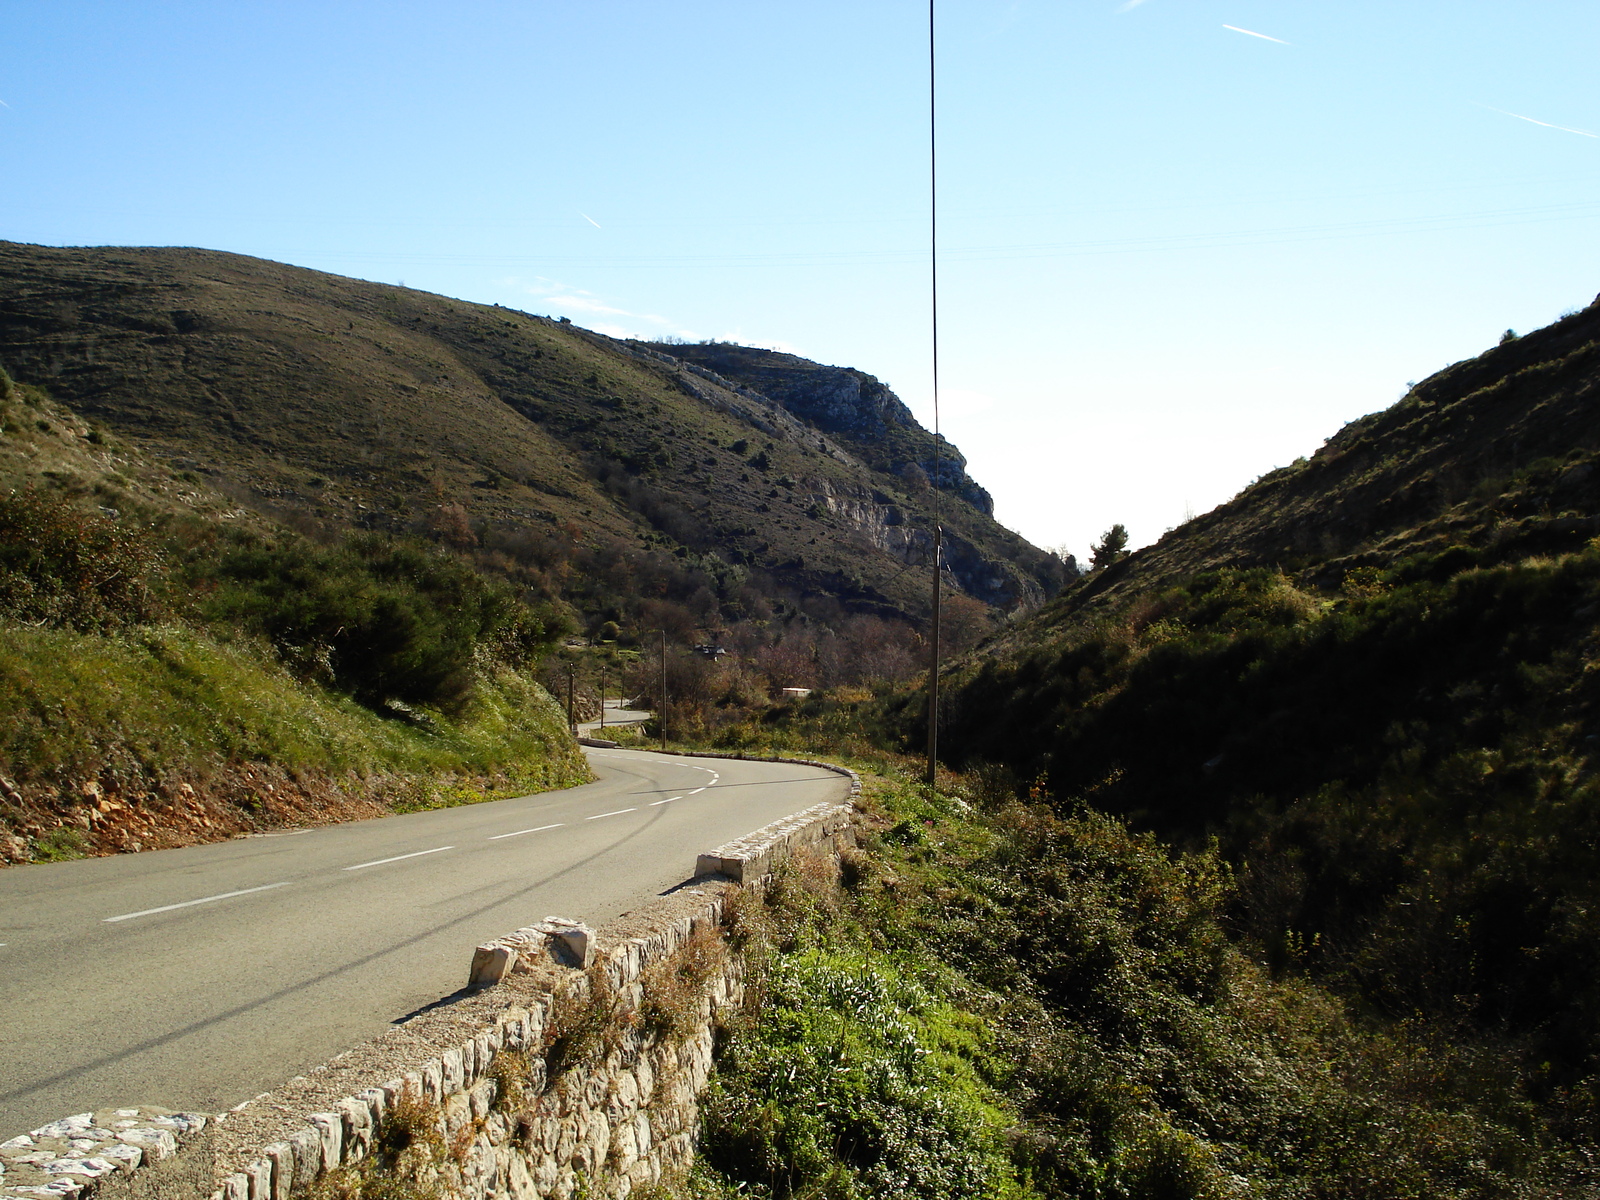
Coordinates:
197	978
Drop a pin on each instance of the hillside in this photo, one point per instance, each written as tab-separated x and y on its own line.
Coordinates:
175	668
1496	448
588	469
1371	677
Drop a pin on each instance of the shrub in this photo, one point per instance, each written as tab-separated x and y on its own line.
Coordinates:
379	618
60	565
857	1083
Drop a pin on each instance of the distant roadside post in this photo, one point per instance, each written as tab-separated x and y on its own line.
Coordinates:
661	717
572	676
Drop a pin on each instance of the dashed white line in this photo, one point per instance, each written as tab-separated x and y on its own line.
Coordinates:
520	832
668	800
378	862
145	912
617	813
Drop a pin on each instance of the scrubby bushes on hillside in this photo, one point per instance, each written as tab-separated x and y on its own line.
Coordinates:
1404	772
381	619
61	565
374	616
1015	1002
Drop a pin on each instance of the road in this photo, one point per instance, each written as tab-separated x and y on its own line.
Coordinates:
197	978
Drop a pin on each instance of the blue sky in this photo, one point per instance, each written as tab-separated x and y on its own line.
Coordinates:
1176	254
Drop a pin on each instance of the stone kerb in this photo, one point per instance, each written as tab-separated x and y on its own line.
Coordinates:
754	856
633	1112
59	1160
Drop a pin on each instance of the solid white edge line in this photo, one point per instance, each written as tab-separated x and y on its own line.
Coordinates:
145	912
668	800
520	832
618	813
378	862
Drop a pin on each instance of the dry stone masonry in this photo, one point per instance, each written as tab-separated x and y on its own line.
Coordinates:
574	1061
59	1160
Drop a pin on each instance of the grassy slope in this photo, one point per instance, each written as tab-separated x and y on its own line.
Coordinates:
1490	450
1393	735
163	733
999	1000
348	402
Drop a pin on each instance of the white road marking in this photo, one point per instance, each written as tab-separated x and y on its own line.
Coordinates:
696	792
145	912
378	862
668	800
520	832
617	813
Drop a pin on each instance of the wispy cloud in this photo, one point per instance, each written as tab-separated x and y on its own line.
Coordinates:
588	218
1264	37
1129	5
1534	121
3	104
567	300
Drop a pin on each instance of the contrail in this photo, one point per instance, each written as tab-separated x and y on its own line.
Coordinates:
1532	121
3	104
588	218
1129	5
1262	36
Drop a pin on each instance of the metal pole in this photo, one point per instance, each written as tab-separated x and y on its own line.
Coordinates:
602	702
661	717
572	721
933	288
933	671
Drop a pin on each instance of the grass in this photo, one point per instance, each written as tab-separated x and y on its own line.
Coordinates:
997	999
164	698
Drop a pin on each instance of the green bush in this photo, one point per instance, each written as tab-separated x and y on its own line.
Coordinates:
857	1082
1404	776
60	565
381	619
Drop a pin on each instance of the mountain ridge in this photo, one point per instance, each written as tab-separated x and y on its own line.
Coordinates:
335	401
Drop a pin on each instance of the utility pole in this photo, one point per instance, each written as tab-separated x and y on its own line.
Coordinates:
661	717
938	441
602	701
572	673
933	671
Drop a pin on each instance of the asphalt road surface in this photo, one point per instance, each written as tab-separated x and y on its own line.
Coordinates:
198	978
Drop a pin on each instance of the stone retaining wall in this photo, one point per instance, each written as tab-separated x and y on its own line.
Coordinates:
547	1076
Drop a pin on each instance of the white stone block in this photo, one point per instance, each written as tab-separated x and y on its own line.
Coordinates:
491	963
156	1143
451	1074
259	1177
66	1127
305	1146
281	1156
575	939
330	1136
356	1114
